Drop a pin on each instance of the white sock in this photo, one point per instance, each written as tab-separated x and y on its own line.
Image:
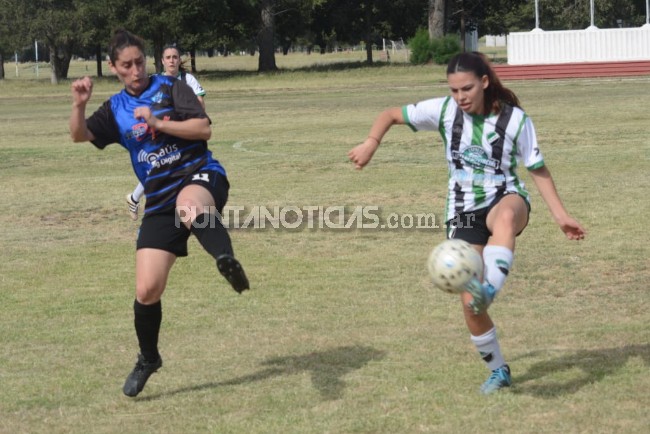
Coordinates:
489	349
498	261
137	192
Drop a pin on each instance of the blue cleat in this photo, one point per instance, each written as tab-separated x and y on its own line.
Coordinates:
499	378
483	295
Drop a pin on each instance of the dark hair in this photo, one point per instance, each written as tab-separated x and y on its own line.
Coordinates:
495	94
122	39
181	65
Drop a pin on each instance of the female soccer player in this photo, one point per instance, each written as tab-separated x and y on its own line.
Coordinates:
485	133
161	123
174	67
171	58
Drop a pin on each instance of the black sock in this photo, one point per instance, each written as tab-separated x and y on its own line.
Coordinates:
214	238
147	328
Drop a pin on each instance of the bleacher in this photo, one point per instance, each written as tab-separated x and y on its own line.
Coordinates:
573	70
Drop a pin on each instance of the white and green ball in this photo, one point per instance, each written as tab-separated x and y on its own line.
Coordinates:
452	264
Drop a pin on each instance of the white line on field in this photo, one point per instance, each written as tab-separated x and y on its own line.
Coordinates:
240	147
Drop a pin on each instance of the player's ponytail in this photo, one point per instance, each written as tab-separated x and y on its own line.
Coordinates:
496	93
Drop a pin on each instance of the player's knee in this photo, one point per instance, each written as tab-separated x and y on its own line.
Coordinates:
507	217
148	293
508	222
188	205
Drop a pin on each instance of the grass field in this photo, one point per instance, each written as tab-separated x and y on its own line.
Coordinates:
341	332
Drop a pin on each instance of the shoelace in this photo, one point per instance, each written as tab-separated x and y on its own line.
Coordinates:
496	376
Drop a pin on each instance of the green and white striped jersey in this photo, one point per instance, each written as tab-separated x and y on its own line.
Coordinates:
482	151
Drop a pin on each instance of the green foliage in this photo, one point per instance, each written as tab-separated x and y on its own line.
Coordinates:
438	50
445	48
420	47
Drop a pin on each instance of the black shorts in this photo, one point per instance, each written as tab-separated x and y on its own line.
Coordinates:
164	229
472	226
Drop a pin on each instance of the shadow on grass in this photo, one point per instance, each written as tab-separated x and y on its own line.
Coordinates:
328	67
326	369
577	369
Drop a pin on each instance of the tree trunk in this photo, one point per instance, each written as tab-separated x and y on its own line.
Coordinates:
436	18
369	52
2	67
462	30
60	62
369	27
54	61
193	60
157	55
265	37
158	38
98	59
286	46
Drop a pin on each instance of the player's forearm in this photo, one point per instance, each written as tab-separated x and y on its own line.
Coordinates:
546	187
77	124
190	129
384	122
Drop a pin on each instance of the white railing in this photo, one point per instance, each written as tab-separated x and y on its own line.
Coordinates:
589	45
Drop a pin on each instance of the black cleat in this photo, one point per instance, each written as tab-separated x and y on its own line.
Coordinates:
231	269
138	377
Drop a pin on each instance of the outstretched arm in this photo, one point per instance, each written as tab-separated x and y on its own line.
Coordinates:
361	154
544	182
82	89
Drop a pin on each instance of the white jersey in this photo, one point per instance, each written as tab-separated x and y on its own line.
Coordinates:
482	151
192	82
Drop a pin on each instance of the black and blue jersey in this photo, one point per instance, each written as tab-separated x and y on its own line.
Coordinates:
161	162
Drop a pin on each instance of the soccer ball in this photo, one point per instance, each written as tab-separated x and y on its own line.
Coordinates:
452	264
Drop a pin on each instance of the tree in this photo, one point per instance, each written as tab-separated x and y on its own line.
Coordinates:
268	11
53	22
12	37
265	37
94	20
240	27
294	22
64	26
436	18
201	24
504	16
369	21
57	23
158	21
351	22
574	14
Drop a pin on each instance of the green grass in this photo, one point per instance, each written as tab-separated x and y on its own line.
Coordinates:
342	332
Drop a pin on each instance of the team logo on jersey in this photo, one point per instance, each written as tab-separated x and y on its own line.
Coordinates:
475	157
158	96
165	155
139	131
492	138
